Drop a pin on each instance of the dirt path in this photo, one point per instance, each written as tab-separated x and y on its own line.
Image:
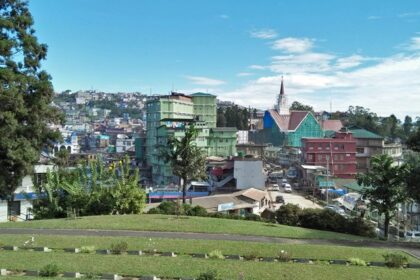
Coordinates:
410	248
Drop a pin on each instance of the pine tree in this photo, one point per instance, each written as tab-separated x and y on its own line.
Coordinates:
25	96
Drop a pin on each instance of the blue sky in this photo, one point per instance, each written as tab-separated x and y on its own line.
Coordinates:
340	52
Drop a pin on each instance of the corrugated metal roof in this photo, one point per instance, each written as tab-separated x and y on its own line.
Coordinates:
282	121
296	117
363	133
334	125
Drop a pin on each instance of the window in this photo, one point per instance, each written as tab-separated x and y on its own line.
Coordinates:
319	146
319	157
335	157
310	157
327	157
360	150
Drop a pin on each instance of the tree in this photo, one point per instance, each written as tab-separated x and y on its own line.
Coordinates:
384	186
413	142
297	106
407	125
413	177
25	96
361	117
186	159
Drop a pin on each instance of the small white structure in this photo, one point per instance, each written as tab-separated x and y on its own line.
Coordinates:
249	173
242	137
18	209
123	143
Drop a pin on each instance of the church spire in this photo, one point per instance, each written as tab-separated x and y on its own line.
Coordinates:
281	106
281	87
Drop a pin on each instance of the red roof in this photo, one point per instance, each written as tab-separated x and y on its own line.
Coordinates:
296	117
334	125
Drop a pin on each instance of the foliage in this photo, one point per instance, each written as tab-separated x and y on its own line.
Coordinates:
288	214
87	249
216	254
197	211
26	93
233	117
91	189
356	262
284	256
50	270
362	117
385	186
251	256
209	275
187	161
119	248
413	141
297	106
413	177
395	260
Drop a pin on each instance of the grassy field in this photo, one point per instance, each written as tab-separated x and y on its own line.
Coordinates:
205	246
183	224
186	266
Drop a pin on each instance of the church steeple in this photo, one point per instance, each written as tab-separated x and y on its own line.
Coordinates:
281	106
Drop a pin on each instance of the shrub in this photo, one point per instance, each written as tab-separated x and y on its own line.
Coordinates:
168	207
288	214
358	226
87	249
154	211
357	262
209	275
50	270
197	211
90	275
119	248
216	254
284	256
395	260
251	256
253	217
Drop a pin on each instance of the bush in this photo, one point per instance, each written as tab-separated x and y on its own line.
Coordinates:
50	270
253	217
395	260
358	226
197	211
288	214
209	275
119	248
324	219
357	262
87	249
154	211
251	256
90	275
168	207
216	254
284	256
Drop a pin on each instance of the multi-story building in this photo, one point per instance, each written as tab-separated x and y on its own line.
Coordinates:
368	144
169	116
338	154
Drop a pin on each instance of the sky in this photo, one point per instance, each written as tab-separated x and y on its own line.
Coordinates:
331	54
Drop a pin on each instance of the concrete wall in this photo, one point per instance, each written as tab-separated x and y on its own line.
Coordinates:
249	174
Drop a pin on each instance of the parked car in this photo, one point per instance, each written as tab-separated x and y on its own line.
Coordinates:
279	199
287	188
336	209
283	182
274	187
412	236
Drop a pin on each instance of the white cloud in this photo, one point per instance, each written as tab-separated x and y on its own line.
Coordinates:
204	81
263	34
414	44
411	14
224	16
257	67
302	62
293	45
244	74
349	61
374	17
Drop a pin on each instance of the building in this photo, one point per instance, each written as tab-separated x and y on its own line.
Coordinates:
251	149
170	115
368	144
338	154
242	137
393	150
19	209
249	201
124	143
249	173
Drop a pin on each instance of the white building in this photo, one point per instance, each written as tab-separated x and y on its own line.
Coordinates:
242	137
19	208
124	143
249	173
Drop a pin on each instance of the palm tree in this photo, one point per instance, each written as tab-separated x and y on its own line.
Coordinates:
186	159
385	187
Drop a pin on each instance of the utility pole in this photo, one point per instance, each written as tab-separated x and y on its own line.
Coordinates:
328	175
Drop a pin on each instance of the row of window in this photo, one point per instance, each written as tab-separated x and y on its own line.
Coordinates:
326	146
336	157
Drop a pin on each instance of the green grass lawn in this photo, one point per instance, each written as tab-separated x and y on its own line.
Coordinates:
186	266
184	224
206	246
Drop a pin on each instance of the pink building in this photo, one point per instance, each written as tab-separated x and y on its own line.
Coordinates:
338	152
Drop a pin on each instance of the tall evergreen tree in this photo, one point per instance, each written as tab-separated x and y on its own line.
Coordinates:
25	96
385	187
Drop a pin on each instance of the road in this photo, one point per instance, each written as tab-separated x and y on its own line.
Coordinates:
412	249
